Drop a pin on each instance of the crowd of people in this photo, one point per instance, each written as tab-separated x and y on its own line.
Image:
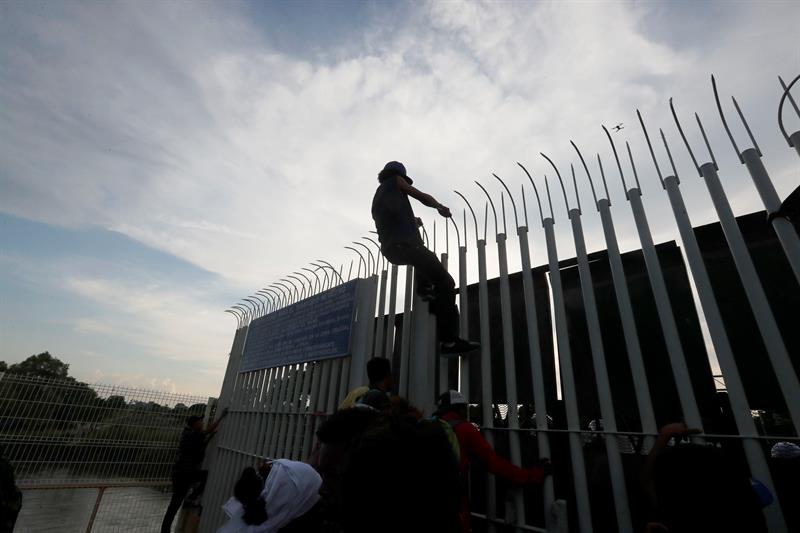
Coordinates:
380	464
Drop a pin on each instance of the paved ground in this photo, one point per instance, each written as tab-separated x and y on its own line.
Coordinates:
135	510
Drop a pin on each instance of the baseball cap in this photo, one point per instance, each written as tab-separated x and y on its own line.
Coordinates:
449	399
397	167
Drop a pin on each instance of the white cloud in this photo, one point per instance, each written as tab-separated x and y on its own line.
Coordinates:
198	140
178	126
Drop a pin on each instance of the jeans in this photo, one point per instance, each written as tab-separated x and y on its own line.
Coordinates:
181	483
430	272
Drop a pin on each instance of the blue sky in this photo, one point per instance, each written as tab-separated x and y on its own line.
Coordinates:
158	161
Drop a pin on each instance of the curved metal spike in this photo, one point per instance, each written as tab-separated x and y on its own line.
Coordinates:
474	218
494	211
575	186
286	294
234	312
616	158
316	277
381	260
332	269
683	136
262	304
288	290
705	139
524	203
513	204
369	254
650	147
358	274
791	98
503	212
274	293
725	122
464	221
310	284
238	318
327	283
434	235
603	177
558	174
535	190
633	167
256	304
350	272
250	311
746	126
588	175
424	236
549	198
294	289
245	310
296	292
270	299
485	219
243	319
300	281
669	154
786	93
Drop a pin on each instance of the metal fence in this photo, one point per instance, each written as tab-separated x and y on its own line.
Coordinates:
91	457
546	334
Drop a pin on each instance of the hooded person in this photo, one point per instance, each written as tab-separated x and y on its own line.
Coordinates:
290	492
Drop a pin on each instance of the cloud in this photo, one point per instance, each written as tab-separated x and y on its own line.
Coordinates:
182	127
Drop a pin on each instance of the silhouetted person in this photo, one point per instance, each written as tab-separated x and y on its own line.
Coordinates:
697	489
401	244
475	449
377	393
186	471
10	495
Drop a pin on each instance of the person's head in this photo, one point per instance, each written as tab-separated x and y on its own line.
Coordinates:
248	491
393	169
195	422
379	372
452	401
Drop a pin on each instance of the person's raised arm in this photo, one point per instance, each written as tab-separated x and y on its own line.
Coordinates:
213	427
423	198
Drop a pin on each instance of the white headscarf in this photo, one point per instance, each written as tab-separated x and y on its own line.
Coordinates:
290	491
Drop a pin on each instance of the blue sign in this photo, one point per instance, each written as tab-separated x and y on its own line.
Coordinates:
319	327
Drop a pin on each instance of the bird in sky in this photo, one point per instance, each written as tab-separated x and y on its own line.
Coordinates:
618	127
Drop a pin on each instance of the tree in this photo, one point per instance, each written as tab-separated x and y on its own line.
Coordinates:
43	365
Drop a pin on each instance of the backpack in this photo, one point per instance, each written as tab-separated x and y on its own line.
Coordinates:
448	427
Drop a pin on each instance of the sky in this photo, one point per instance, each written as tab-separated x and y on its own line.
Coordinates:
161	160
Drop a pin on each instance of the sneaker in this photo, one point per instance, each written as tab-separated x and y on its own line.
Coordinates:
458	347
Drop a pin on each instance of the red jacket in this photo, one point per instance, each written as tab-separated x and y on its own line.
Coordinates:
475	448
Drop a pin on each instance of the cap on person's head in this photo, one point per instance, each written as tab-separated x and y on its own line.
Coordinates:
450	400
394	168
190	420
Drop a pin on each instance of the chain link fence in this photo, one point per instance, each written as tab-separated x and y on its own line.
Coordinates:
91	457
